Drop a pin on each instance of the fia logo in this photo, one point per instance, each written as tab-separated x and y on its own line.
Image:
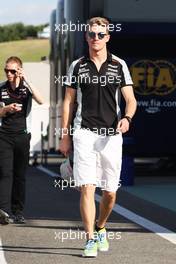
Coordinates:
153	77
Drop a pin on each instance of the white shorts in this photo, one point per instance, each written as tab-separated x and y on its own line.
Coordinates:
97	159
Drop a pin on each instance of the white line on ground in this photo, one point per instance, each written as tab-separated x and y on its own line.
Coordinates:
155	228
2	257
147	224
45	170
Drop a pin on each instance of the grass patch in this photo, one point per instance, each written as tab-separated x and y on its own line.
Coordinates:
28	50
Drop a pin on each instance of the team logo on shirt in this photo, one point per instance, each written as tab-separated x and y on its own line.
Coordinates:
4	94
83	73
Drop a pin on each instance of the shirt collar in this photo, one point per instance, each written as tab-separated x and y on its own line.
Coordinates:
9	86
109	57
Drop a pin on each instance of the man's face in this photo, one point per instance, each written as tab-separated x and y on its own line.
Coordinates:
97	37
11	71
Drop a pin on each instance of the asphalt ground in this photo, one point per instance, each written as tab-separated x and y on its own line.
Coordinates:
54	233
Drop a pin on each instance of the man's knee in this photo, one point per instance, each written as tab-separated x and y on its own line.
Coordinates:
109	196
87	189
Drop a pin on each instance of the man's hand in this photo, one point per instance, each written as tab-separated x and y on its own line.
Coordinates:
32	89
123	125
13	108
20	73
65	145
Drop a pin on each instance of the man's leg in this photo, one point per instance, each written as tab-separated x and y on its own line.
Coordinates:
106	206
6	175
21	159
111	158
109	170
85	176
87	208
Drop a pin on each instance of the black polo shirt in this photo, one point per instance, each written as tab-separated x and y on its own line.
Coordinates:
14	122
98	92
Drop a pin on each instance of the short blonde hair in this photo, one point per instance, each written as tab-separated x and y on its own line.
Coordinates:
15	59
101	21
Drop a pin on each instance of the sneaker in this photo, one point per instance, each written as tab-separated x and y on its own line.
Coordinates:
90	249
19	219
4	218
102	242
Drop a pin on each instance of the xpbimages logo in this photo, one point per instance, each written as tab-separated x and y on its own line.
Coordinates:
79	235
72	183
72	27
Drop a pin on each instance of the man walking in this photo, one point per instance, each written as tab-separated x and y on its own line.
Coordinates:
97	79
15	108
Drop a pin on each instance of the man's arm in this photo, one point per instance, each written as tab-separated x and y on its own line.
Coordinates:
130	109
67	115
35	93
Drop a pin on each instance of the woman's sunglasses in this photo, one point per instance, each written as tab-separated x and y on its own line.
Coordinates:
92	35
11	71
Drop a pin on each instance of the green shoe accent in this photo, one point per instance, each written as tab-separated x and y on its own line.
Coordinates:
90	249
103	244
